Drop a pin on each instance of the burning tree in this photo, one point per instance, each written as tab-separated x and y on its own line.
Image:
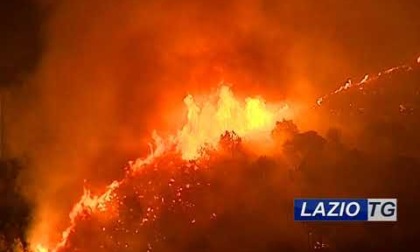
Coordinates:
172	199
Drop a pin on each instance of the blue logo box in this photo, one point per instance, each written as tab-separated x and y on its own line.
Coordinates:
345	209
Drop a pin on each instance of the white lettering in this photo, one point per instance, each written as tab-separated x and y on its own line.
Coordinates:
334	206
354	213
303	213
320	209
342	209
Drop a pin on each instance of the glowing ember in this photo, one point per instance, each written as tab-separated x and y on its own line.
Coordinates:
219	118
368	79
174	181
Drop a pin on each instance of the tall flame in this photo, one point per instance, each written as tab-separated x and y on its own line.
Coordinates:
251	119
207	121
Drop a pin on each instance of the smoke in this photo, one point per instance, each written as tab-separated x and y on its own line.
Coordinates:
111	72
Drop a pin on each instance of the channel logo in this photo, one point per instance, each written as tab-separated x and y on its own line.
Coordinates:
345	210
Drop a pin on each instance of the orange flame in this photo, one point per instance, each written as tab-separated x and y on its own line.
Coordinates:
209	120
368	79
251	119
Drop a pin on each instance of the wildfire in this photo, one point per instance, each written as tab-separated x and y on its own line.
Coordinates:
251	120
369	79
41	248
207	120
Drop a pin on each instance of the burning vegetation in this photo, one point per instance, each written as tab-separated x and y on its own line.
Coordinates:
196	194
179	189
231	191
102	82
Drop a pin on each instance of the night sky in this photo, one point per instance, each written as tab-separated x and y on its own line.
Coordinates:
20	39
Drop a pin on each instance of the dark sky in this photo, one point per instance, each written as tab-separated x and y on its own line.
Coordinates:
20	45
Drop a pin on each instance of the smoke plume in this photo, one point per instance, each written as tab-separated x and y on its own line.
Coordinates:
111	72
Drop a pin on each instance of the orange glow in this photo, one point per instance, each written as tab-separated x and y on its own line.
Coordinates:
208	120
40	248
367	79
87	205
252	119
